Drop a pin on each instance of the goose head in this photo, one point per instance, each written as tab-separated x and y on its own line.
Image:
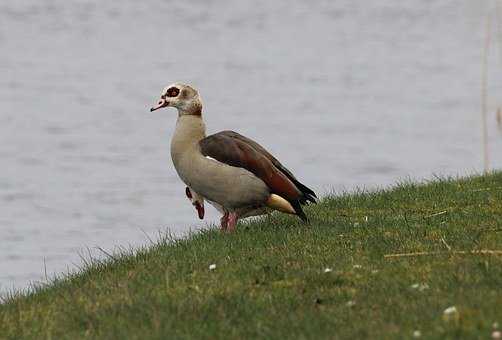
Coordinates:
183	97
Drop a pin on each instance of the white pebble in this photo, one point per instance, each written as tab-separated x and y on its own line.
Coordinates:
420	286
450	314
212	267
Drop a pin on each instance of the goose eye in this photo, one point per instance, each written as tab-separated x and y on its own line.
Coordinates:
172	92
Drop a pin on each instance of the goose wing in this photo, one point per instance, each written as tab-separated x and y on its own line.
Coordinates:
234	149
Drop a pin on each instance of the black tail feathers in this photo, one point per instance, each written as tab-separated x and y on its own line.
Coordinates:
308	195
299	211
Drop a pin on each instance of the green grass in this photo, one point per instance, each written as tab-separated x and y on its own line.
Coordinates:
270	279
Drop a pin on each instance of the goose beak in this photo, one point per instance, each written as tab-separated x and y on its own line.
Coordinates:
162	103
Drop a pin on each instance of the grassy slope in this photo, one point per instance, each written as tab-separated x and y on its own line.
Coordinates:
270	282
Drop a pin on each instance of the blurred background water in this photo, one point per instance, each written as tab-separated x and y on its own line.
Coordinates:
347	93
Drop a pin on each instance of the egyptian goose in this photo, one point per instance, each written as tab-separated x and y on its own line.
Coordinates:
232	172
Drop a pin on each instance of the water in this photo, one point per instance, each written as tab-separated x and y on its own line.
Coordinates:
346	93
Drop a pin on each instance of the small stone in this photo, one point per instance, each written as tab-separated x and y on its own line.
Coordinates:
212	267
420	286
417	334
450	314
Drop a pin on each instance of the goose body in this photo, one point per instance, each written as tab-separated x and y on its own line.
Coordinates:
230	171
229	186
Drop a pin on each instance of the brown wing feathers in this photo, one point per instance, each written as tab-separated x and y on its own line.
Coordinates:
236	150
308	194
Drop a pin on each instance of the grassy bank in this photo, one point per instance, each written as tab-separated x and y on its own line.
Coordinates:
276	278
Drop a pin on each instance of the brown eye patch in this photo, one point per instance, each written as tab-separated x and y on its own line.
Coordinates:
172	92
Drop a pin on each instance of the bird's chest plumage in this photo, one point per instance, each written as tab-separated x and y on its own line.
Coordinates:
190	167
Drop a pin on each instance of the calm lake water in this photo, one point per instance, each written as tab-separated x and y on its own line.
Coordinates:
347	93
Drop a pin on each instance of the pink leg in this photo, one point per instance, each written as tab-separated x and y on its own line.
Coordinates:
224	222
232	221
